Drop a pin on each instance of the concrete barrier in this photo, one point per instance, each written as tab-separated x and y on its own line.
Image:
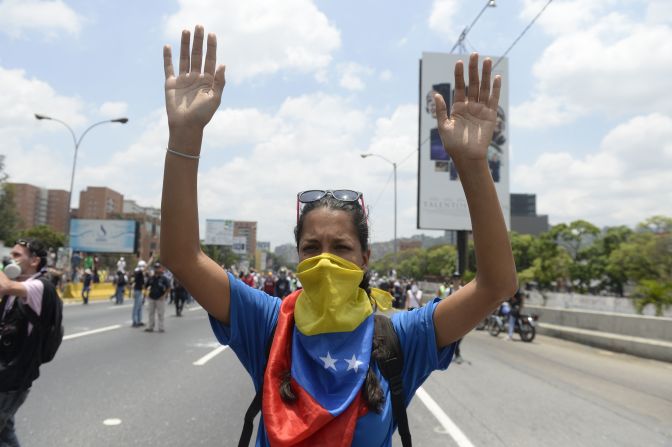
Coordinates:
98	291
643	336
606	322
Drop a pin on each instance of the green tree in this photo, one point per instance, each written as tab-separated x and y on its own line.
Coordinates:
654	292
52	239
9	217
521	246
221	254
656	225
614	275
551	261
441	260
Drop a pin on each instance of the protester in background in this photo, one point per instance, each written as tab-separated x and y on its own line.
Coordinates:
86	285
121	264
516	305
75	261
180	296
269	284
120	282
20	350
282	285
96	267
159	289
139	283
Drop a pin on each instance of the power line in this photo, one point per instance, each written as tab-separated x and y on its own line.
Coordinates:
389	177
521	34
465	31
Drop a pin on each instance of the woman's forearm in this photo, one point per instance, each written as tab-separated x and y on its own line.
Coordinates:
180	242
496	268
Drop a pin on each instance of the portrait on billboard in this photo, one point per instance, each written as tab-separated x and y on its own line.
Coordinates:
441	159
496	149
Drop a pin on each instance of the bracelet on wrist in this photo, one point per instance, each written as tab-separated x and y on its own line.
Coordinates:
181	154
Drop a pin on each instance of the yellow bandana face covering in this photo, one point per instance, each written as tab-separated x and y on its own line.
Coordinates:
331	300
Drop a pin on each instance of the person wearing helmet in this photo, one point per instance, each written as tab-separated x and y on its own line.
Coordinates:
138	288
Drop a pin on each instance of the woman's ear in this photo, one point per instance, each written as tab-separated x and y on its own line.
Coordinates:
366	255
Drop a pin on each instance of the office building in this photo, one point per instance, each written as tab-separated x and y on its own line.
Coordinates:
524	218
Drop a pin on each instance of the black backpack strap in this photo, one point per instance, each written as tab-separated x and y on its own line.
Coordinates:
255	405
3	304
391	362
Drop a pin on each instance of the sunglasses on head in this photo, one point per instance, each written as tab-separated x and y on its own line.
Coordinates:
33	251
313	195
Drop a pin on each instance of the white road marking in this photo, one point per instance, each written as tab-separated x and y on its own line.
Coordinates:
447	423
206	358
91	332
112	421
195	308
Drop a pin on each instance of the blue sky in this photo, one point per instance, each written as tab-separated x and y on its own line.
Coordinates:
312	84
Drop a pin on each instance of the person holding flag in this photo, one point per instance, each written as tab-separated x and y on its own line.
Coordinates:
319	384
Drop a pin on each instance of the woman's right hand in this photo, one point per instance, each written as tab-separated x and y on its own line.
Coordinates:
194	95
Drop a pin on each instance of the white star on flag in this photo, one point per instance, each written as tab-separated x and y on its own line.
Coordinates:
353	363
329	362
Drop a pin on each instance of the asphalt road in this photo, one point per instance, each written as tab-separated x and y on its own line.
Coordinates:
123	387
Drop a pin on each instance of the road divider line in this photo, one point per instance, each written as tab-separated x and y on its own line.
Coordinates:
91	332
447	423
206	358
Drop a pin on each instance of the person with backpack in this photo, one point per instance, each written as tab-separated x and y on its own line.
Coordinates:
316	358
30	330
120	280
87	279
159	289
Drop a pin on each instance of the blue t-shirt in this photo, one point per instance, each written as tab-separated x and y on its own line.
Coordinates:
254	314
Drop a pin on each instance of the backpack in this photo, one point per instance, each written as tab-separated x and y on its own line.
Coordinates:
390	362
121	280
49	322
157	287
47	334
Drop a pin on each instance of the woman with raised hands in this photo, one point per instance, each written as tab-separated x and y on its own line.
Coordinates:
320	384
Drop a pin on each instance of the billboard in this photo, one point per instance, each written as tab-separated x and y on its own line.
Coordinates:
239	245
218	232
441	201
103	236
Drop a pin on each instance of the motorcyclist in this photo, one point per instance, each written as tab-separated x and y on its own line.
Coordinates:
516	304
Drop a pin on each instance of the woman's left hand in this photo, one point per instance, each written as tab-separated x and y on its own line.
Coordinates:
467	132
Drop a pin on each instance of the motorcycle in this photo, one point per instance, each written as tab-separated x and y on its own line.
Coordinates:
524	325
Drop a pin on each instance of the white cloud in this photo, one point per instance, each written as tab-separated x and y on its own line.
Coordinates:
20	131
600	61
18	17
659	11
442	18
352	75
385	75
625	181
309	141
114	109
257	37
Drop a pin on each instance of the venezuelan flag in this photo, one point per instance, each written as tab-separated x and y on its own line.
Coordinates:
327	373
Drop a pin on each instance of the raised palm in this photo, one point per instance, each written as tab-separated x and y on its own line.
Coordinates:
194	95
467	132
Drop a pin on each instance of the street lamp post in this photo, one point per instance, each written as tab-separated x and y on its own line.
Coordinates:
77	142
394	168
